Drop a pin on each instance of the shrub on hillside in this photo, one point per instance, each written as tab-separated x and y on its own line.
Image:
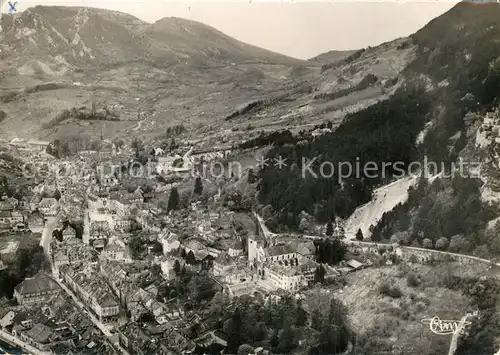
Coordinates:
458	243
388	290
401	238
441	243
413	280
427	243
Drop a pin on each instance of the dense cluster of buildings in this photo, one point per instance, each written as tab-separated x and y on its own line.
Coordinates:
92	258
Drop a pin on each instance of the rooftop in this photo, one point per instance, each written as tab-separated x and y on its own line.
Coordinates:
285	270
39	283
40	333
280	250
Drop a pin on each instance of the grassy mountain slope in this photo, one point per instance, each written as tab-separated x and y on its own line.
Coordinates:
331	56
155	75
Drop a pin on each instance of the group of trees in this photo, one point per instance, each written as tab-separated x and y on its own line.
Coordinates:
281	325
330	251
483	293
27	263
194	291
59	149
447	215
319	274
173	200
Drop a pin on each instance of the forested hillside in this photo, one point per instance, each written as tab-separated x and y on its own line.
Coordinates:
382	133
458	59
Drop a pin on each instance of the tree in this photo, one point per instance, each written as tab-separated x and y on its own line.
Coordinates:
402	238
173	200
304	224
427	243
329	229
275	340
56	233
64	150
251	176
198	186
137	246
57	195
287	338
30	261
136	144
234	333
441	243
201	288
190	258
146	317
458	243
245	349
319	274
335	331
359	234
177	267
155	270
157	248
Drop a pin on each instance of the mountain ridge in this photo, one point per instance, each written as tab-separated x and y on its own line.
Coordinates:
80	33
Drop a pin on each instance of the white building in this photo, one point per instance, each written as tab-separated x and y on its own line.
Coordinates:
286	277
170	242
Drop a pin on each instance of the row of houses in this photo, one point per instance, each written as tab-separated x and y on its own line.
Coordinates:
86	281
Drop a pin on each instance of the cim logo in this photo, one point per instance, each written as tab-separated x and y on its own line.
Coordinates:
444	327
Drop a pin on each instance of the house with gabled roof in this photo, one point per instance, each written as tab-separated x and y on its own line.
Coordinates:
170	242
68	232
48	206
36	289
224	264
36	222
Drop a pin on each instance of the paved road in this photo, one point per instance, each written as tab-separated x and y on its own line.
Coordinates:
267	233
47	232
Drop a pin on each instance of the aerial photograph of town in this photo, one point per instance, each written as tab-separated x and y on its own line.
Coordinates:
249	177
